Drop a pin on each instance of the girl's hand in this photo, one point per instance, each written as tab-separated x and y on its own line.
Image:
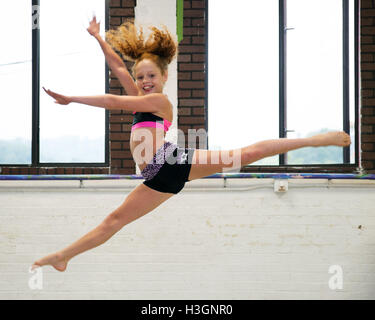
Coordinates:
94	27
60	99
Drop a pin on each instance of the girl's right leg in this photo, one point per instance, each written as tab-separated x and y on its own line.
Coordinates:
207	162
139	202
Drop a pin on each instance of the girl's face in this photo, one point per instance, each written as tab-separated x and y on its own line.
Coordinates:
149	78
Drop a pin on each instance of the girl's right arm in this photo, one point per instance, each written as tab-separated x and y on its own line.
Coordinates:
155	102
116	64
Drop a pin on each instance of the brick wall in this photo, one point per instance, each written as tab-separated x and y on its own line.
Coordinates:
368	85
191	69
121	160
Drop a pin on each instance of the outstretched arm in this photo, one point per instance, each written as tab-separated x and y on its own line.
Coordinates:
116	64
155	102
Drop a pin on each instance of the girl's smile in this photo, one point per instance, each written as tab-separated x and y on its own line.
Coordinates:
149	78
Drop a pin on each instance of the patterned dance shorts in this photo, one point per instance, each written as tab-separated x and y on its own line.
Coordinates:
169	170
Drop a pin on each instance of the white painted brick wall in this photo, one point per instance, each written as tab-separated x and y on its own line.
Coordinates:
242	242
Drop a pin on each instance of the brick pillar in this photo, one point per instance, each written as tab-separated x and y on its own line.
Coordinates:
368	85
191	69
121	161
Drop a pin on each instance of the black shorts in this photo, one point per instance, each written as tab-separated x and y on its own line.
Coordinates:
169	170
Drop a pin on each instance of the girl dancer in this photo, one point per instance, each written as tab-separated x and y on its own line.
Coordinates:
165	166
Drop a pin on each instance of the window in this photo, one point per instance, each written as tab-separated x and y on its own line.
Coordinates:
15	83
315	75
66	59
243	76
282	69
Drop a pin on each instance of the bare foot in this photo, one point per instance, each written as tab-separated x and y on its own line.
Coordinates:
54	259
336	138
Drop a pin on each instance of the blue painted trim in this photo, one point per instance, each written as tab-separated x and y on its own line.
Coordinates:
329	176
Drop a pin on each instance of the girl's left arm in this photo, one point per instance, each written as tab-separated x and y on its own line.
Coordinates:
155	102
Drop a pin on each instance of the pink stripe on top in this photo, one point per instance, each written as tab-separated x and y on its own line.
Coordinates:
152	124
167	124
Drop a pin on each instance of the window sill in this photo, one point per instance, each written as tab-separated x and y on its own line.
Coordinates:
344	168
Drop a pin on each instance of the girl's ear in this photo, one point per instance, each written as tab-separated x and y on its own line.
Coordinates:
165	76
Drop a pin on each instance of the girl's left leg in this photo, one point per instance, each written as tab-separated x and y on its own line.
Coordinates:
138	203
207	162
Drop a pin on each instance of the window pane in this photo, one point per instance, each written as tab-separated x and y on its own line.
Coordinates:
243	92
314	76
15	81
72	63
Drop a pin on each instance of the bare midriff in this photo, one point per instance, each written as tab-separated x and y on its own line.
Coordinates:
143	147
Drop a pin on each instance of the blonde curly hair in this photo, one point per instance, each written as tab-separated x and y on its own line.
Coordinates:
160	46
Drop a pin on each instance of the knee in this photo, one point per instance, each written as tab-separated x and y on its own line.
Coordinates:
112	222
